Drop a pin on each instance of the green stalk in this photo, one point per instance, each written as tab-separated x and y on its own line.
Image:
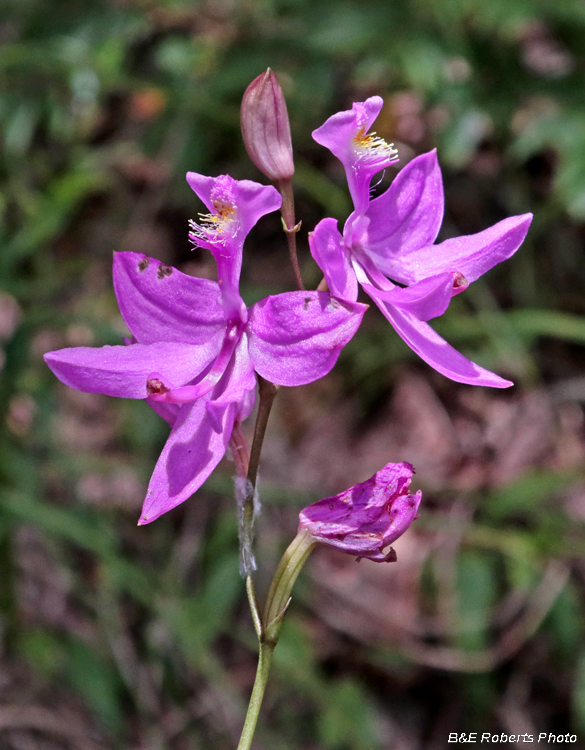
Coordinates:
264	661
276	605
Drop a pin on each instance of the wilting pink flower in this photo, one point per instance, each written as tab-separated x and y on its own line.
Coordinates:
367	517
265	127
392	236
196	345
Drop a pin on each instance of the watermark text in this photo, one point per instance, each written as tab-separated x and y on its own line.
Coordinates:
477	738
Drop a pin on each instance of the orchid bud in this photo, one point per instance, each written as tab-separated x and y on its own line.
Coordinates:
265	127
367	517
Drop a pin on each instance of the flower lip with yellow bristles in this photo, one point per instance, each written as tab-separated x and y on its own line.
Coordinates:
221	223
214	227
371	147
234	207
363	154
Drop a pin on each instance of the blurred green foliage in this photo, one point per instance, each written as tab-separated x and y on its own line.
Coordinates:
104	106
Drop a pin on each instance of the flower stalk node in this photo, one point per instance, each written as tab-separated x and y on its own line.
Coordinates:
291	230
287	212
272	629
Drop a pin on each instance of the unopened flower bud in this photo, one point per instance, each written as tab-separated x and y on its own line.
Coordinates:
265	127
366	518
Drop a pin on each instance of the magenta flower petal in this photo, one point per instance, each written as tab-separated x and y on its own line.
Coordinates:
408	215
425	300
239	387
436	352
191	453
472	255
173	395
159	303
245	406
296	337
124	370
329	252
169	412
368	517
362	154
199	438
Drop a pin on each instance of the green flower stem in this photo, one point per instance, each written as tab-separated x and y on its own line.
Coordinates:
264	662
276	605
288	222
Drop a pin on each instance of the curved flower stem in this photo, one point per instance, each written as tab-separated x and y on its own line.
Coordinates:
288	222
276	605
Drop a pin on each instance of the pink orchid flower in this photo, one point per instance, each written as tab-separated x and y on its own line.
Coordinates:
196	345
365	519
392	236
